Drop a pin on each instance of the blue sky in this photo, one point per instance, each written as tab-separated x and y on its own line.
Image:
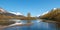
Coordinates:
35	7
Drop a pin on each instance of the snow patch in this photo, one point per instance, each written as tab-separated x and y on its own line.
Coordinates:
16	13
55	8
45	12
2	10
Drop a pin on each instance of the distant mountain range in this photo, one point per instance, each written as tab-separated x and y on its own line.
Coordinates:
4	14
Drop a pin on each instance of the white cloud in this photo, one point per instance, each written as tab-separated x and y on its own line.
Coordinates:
16	13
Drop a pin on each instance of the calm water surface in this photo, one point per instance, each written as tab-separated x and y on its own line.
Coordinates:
36	26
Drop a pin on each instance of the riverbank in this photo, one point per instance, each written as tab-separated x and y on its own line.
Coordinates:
2	27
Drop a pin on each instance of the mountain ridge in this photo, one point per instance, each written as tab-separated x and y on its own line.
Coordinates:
54	15
6	14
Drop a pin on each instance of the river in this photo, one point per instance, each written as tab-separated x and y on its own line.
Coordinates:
37	25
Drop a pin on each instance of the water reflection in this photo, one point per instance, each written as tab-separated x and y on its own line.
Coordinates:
37	25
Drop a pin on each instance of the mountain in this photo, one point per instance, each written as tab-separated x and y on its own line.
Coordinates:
54	15
6	14
43	13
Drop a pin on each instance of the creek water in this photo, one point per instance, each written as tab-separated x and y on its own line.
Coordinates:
37	25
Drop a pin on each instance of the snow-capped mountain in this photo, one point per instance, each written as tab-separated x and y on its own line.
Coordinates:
16	13
43	14
47	12
54	13
54	8
2	11
6	13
